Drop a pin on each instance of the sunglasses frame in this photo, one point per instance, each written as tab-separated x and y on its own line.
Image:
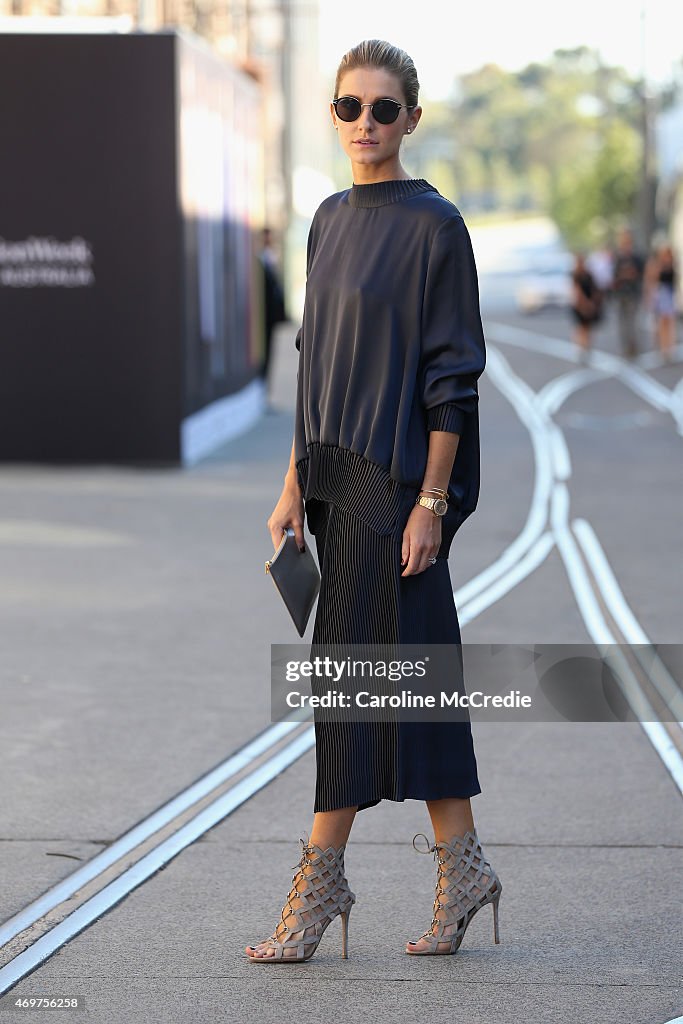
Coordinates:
384	99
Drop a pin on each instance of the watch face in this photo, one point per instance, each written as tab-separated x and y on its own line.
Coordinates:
440	506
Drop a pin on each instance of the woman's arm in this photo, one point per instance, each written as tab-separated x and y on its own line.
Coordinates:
291	476
453	352
650	282
443	447
453	357
289	510
422	534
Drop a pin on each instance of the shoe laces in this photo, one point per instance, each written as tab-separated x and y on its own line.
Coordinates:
463	863
433	848
307	850
289	909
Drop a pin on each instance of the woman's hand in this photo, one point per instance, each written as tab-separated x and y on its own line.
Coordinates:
289	511
421	540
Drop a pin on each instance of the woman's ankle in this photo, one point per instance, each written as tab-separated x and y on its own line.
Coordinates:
332	828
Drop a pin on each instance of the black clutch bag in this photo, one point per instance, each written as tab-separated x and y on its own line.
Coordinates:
295	574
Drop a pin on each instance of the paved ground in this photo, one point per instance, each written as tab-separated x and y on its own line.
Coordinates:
137	623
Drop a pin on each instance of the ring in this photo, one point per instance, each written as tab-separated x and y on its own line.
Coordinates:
432	560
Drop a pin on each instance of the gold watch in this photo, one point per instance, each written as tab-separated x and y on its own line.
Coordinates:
439	506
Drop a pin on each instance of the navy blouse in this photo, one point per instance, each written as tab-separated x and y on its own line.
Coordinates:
391	346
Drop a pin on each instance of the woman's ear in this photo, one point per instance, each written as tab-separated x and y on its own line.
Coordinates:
415	117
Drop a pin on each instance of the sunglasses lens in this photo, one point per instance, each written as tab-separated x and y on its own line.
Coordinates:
385	111
348	109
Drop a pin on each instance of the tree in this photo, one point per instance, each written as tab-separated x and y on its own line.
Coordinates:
562	137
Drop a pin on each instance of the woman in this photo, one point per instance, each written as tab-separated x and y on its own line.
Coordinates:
391	347
586	304
661	282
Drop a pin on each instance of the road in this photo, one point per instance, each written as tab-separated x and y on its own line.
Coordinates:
151	810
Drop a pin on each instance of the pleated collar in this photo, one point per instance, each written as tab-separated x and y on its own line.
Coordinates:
379	193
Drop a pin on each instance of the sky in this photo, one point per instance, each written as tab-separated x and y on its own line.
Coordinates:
446	38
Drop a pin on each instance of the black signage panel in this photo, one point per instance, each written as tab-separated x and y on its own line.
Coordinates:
123	310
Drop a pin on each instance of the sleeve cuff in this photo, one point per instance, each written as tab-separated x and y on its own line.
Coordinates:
447	416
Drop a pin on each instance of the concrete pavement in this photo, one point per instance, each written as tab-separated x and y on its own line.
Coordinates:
136	656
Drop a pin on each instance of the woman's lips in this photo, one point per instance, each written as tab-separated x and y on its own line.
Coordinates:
360	142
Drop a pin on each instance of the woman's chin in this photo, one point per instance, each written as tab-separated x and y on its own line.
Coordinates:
367	153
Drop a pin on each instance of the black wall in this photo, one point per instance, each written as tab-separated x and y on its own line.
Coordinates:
95	351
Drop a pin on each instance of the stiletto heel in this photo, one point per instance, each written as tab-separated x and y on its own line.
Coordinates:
465	883
494	904
320	887
345	915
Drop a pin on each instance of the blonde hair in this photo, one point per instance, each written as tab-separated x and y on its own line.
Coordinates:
377	53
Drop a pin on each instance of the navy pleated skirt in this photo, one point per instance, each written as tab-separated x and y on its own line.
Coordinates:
363	599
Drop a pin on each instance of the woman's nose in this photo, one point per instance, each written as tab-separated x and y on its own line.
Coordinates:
366	119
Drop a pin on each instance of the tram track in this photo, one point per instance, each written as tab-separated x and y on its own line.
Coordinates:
31	936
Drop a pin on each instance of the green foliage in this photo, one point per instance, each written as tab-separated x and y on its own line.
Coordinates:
562	137
593	196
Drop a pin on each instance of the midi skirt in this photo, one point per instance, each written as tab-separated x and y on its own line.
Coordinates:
363	599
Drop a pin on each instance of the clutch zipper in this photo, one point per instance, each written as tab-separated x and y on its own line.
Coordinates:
269	561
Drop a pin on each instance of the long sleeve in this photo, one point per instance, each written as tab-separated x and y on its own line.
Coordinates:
453	353
447	416
309	253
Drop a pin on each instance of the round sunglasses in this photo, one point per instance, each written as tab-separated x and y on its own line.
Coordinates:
348	108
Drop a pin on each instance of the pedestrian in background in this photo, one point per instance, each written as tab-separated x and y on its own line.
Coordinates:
660	286
273	302
600	262
629	267
586	305
385	464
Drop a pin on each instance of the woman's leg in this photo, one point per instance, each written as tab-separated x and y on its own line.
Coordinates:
667	334
330	828
582	337
450	818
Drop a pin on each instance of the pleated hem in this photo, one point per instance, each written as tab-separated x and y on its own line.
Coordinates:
373	801
366	490
361	487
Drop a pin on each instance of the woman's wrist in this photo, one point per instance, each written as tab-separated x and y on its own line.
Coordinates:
434	489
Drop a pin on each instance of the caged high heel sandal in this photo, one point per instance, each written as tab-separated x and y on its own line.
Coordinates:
321	892
465	883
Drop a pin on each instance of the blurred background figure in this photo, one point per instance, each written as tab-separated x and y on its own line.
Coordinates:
586	304
660	284
273	301
600	262
627	289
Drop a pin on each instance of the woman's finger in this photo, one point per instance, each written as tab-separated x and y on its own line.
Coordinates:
299	535
405	549
276	536
426	564
417	561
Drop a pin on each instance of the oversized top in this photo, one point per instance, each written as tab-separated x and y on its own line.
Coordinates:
391	346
